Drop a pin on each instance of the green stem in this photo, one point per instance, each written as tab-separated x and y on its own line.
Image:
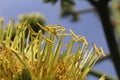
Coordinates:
108	56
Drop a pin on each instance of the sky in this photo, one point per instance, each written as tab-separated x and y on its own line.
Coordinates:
89	24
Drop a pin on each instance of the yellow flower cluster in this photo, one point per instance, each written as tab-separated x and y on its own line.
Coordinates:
39	56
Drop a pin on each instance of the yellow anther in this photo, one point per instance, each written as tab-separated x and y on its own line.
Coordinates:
53	30
81	39
49	29
74	35
96	49
102	51
59	30
85	41
53	26
63	29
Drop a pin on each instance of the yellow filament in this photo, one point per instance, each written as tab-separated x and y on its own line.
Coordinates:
13	50
42	27
46	39
96	49
32	31
64	34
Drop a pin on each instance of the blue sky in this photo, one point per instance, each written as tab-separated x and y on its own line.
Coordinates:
89	24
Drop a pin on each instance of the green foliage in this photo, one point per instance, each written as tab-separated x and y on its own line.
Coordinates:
67	8
52	1
39	57
32	19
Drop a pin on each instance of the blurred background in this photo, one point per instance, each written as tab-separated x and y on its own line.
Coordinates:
78	15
